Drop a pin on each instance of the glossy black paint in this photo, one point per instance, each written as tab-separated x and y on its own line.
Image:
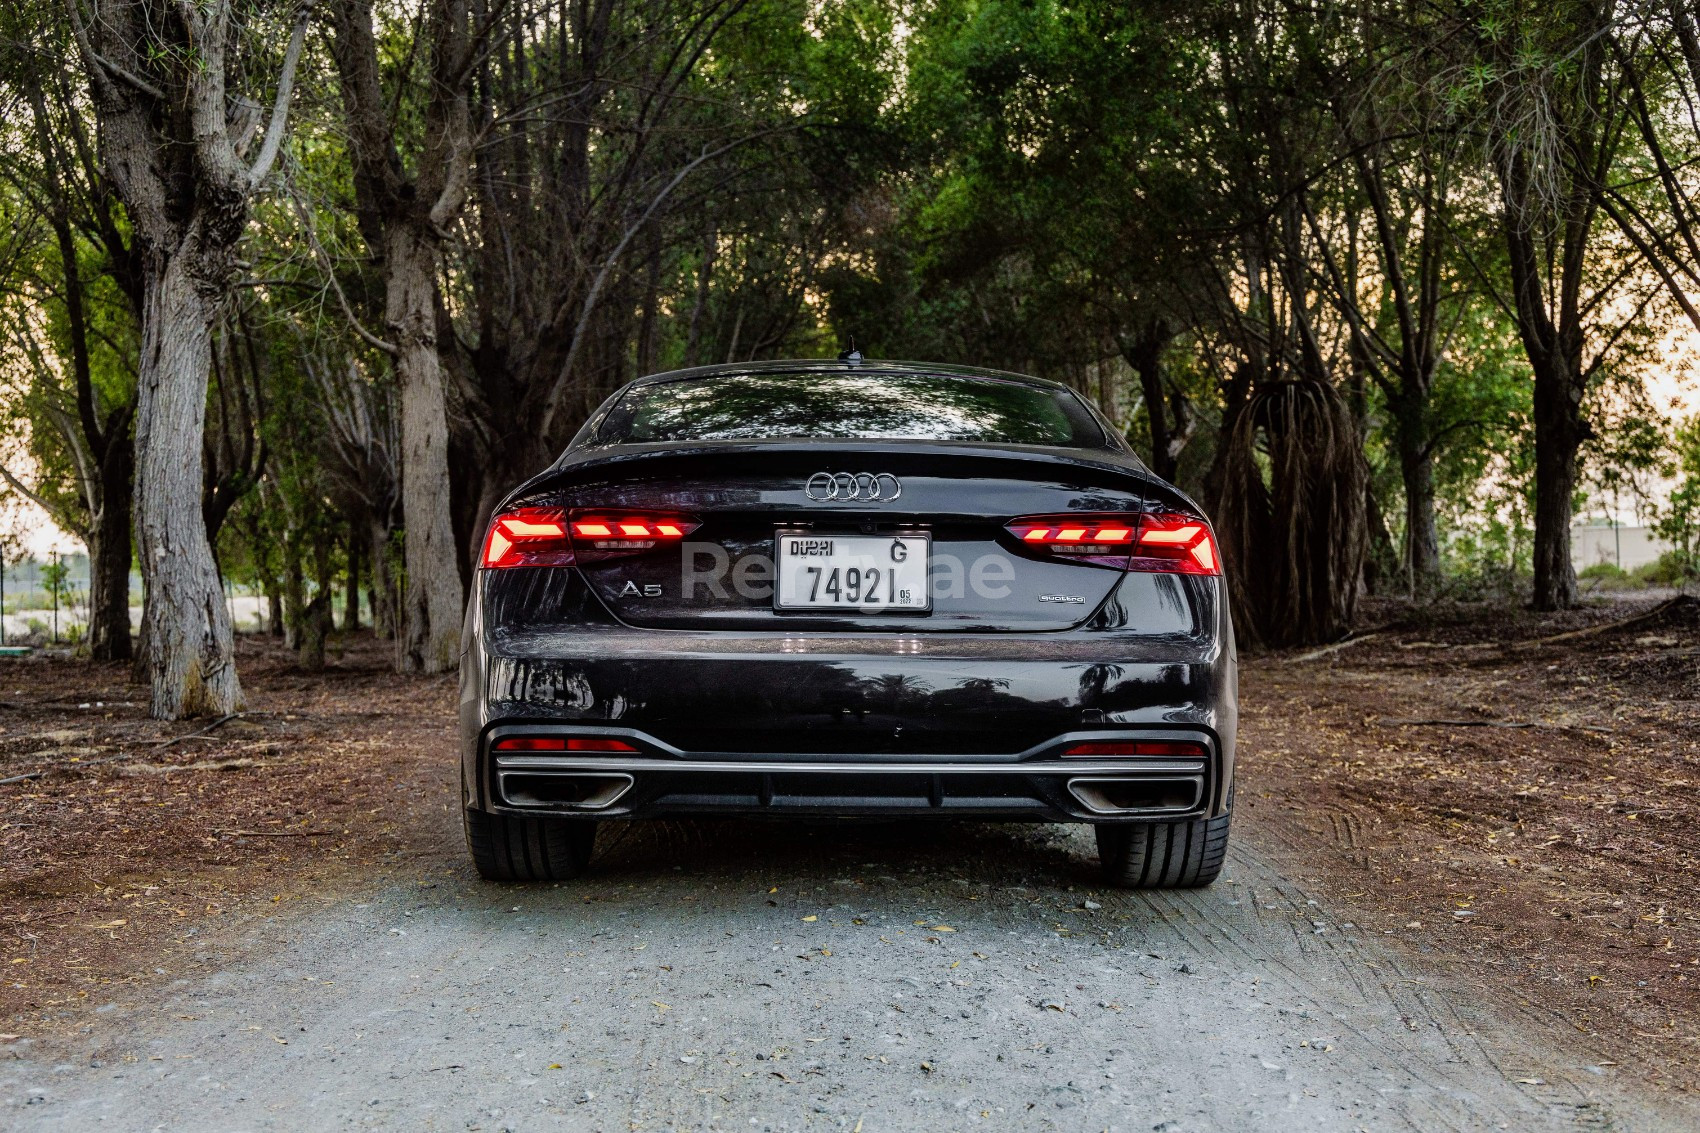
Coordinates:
973	684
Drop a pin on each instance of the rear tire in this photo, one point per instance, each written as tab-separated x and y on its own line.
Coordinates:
1163	855
522	848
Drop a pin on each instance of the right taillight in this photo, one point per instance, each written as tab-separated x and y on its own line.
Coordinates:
1176	544
1102	540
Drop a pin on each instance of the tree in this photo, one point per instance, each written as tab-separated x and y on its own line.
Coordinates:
404	215
166	80
1281	245
83	393
609	127
1545	96
1656	205
1679	520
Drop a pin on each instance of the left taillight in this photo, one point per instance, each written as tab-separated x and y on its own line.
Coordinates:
557	537
528	536
605	534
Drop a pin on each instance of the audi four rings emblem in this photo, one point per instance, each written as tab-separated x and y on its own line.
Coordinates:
867	487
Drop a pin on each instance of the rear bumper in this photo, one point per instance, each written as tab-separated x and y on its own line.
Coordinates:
658	779
848	723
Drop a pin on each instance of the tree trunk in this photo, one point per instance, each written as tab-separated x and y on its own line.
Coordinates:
1554	349
315	628
383	581
191	655
351	600
650	321
1422	537
1144	356
1293	545
705	276
109	556
294	593
274	610
429	637
1381	562
317	618
1559	432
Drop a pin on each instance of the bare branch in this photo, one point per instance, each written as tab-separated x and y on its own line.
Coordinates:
307	226
595	293
22	489
280	108
128	76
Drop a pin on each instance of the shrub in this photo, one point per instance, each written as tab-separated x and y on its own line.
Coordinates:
1609	576
1673	568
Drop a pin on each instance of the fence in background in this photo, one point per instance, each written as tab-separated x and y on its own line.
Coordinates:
34	608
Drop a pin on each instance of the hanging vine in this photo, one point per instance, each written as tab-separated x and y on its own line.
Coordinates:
1291	514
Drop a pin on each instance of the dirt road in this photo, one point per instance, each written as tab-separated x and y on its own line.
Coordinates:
1460	897
798	976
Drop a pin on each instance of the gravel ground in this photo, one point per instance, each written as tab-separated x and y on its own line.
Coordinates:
821	976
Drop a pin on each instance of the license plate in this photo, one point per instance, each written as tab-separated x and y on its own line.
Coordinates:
865	573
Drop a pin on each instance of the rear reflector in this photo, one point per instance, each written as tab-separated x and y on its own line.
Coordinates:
1174	748
561	743
1179	544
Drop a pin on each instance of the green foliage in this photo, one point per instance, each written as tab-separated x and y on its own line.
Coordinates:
55	578
1670	569
1611	578
1042	137
1603	572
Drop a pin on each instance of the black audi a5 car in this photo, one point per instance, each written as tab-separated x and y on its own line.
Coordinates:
849	588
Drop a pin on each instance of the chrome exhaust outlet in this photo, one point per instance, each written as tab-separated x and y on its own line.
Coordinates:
1138	794
571	790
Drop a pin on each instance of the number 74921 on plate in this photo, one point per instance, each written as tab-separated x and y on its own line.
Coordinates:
864	573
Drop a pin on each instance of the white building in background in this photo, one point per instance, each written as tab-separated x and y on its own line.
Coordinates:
1628	547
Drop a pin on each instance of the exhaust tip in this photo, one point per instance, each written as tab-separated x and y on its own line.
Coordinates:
582	790
1138	794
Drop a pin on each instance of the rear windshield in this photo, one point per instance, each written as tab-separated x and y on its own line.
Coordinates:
860	406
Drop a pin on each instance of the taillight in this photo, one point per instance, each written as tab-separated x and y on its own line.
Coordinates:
1173	748
1101	539
536	536
528	536
1160	542
561	743
1179	544
605	534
